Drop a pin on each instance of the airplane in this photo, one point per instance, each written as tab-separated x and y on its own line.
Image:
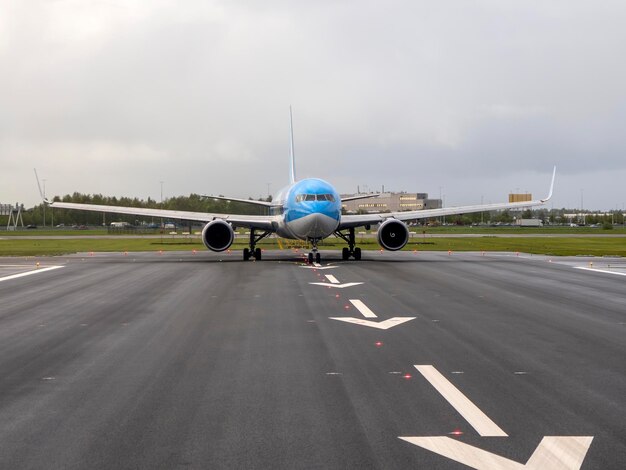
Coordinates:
307	209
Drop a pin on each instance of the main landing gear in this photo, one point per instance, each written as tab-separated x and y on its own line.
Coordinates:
253	251
350	250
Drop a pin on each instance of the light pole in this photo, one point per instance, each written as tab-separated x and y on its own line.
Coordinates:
444	205
482	213
161	204
581	206
44	204
440	202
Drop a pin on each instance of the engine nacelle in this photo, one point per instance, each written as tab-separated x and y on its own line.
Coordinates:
218	235
393	235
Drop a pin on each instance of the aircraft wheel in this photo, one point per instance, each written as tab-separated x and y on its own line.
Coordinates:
246	254
318	258
357	253
345	253
310	258
257	254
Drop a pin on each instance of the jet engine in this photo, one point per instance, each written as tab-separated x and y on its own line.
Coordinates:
218	235
393	234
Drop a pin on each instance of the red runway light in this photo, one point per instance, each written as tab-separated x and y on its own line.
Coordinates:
347	307
336	296
457	432
378	344
407	376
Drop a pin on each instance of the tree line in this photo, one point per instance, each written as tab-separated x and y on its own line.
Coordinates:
198	203
69	217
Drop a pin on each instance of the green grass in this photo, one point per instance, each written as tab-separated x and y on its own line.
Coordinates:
556	246
448	229
552	229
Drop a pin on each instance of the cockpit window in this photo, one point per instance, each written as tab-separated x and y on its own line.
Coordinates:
315	197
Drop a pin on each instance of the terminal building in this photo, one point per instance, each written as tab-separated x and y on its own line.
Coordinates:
389	202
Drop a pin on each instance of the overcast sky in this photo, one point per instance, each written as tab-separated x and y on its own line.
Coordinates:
471	98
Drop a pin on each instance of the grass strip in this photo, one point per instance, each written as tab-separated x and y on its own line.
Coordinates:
557	246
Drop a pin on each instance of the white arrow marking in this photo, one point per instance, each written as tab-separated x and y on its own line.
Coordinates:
553	453
321	268
28	273
338	286
476	418
332	278
383	325
364	309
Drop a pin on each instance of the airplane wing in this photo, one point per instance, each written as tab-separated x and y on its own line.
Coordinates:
348	221
262	222
246	201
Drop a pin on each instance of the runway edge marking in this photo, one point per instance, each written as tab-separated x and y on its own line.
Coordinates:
28	273
599	270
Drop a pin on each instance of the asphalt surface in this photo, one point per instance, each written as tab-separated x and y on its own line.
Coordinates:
181	360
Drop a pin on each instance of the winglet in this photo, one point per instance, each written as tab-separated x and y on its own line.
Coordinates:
43	197
292	169
546	199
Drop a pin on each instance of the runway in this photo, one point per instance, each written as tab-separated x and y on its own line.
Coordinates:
401	360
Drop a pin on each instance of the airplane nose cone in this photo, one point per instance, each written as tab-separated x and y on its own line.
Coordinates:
321	226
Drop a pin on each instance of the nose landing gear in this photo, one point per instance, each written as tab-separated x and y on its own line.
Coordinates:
314	255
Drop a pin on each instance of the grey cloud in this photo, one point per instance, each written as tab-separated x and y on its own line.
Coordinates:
115	96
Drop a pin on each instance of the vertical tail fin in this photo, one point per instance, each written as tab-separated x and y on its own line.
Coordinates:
292	169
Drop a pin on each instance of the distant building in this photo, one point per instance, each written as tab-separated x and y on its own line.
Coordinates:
525	197
390	202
